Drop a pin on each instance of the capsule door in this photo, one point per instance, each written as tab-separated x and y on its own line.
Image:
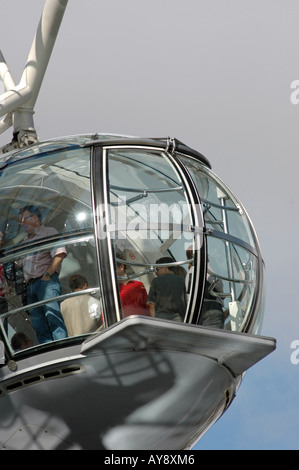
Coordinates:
146	220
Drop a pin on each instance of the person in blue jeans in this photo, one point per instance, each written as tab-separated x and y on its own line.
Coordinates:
41	273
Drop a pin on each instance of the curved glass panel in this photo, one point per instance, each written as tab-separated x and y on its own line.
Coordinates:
222	211
234	269
237	279
48	249
151	220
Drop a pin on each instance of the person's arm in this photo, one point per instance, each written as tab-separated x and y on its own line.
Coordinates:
54	266
152	309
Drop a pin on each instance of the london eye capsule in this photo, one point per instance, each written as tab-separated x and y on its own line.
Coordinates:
122	375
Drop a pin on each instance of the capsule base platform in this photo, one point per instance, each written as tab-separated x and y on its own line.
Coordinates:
141	384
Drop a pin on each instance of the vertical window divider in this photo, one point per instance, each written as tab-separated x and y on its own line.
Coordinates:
100	188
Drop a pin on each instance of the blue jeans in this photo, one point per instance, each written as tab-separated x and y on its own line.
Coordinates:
46	319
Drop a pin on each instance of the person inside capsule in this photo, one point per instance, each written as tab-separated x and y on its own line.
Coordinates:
167	294
133	295
41	273
82	314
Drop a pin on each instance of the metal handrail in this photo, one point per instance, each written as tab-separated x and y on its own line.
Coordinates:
58	298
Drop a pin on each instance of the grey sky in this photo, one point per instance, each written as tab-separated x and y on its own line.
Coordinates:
216	75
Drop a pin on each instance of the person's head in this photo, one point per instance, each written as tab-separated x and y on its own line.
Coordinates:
164	269
20	341
77	282
30	218
120	267
189	254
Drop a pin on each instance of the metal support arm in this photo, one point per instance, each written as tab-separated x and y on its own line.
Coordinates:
20	100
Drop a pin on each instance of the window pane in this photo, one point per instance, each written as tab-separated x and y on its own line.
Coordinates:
218	202
232	270
46	218
231	277
151	216
59	184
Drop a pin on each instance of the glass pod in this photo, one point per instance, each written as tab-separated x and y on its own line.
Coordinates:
123	210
